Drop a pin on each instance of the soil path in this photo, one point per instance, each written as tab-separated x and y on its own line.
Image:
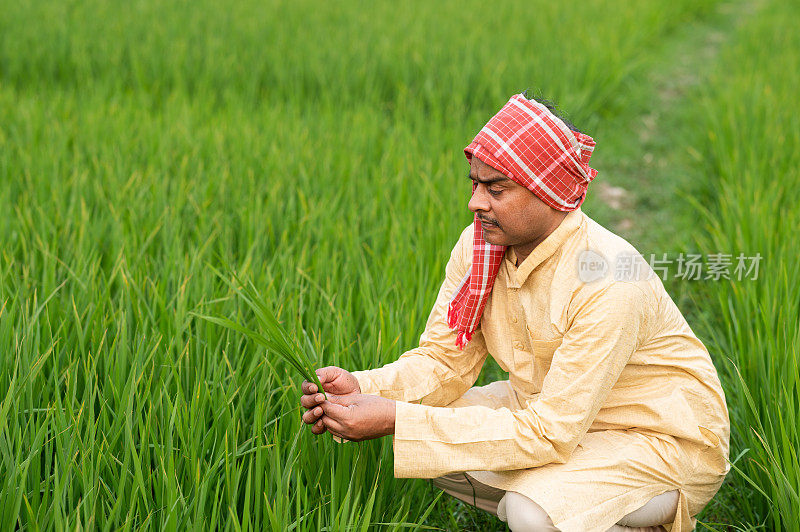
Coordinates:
649	161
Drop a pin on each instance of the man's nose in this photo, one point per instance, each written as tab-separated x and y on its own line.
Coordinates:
479	200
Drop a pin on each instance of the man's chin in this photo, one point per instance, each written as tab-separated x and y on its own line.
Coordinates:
494	237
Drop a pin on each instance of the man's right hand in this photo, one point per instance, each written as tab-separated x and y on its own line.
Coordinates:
334	380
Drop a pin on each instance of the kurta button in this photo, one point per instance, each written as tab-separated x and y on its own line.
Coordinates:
514	319
518	345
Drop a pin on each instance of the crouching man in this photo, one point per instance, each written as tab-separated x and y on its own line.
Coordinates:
612	417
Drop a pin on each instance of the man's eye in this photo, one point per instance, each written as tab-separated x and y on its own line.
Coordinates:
494	192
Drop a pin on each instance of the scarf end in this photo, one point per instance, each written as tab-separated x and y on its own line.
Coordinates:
462	338
452	316
452	321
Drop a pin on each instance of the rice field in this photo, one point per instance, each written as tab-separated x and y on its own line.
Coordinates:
315	149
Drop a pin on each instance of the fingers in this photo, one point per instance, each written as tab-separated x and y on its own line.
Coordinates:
309	387
310	401
312	416
327	376
332	409
319	427
327	373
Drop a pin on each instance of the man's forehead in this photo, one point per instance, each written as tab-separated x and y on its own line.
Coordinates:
482	170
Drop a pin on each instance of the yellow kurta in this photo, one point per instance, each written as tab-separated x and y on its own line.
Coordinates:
611	398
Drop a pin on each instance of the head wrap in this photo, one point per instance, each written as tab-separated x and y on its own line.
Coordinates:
529	144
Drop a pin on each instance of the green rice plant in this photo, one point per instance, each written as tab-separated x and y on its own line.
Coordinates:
275	338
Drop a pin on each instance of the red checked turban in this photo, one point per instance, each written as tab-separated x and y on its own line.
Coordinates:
532	146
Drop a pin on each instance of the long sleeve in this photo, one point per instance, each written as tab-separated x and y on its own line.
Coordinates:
606	326
435	373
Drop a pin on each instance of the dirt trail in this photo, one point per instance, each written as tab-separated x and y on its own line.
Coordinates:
649	160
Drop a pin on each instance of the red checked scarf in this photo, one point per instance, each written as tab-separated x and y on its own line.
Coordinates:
530	145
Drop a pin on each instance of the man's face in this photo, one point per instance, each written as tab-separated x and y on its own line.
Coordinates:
510	214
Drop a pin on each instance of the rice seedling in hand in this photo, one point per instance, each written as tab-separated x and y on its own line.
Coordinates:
273	336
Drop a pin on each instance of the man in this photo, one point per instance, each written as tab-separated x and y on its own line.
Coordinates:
613	416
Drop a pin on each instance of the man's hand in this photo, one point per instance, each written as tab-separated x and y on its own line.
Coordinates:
358	417
334	380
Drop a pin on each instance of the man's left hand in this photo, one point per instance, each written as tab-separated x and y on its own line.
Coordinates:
358	417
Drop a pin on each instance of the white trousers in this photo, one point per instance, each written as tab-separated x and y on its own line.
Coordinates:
524	515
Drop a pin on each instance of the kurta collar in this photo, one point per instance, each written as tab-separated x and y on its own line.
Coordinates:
518	275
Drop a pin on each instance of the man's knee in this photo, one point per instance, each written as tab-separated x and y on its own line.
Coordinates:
524	515
658	511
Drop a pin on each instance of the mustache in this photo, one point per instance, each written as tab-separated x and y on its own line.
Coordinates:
488	220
